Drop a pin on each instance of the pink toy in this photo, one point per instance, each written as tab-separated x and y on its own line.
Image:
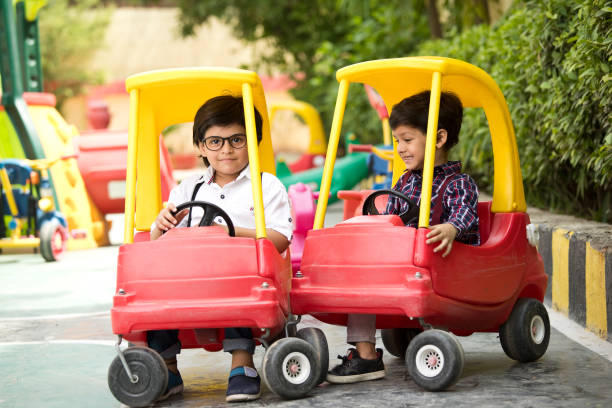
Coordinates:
303	208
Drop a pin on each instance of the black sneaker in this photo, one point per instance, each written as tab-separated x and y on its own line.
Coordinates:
355	368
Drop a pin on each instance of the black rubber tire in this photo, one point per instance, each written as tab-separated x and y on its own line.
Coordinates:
396	340
318	341
47	237
525	335
152	377
448	356
503	340
276	370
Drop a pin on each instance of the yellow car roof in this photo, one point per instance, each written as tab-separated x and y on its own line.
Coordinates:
398	78
162	98
317	143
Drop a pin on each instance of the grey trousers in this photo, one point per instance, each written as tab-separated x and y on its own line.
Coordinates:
361	328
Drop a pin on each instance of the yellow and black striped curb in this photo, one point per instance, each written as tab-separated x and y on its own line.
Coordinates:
578	262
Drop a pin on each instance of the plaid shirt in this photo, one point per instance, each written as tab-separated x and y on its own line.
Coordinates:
460	199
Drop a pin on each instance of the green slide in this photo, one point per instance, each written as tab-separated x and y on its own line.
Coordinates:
348	171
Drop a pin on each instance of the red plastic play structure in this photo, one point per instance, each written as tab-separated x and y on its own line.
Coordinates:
412	281
198	273
102	160
303	211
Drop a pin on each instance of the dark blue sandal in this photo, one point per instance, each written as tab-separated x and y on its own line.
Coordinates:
175	385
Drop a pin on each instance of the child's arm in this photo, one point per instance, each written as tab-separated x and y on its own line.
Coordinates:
461	202
165	220
279	240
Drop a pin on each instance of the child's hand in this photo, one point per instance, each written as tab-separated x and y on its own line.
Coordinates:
445	233
165	220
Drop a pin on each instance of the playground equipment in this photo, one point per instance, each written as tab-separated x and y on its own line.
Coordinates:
303	208
32	128
315	155
373	264
200	280
379	163
20	68
306	170
102	161
27	202
349	171
381	158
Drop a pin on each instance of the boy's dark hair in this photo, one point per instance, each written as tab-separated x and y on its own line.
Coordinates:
414	111
222	110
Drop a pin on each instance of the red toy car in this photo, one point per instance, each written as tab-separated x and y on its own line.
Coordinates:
373	264
200	280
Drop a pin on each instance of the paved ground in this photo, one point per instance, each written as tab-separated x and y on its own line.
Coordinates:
56	345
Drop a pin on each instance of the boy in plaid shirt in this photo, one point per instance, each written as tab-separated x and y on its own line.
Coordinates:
454	216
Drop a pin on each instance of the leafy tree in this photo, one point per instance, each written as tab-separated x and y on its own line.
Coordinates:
69	36
551	60
316	38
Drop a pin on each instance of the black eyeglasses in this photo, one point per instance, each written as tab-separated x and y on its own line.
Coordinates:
237	141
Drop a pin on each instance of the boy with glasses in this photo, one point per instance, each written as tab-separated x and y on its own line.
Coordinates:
220	135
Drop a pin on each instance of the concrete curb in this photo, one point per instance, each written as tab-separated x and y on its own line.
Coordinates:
577	256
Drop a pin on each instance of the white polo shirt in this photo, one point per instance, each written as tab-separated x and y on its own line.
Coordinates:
236	199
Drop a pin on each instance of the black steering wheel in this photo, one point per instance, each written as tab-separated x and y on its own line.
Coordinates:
211	211
408	216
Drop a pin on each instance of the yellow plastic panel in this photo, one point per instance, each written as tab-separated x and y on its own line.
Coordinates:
249	121
396	79
8	192
330	157
166	97
312	118
430	149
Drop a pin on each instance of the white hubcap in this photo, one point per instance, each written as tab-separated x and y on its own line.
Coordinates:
296	368
429	360
537	329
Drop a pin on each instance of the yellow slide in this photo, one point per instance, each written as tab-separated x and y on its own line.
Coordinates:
87	225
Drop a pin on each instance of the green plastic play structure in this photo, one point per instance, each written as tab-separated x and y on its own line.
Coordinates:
21	72
32	130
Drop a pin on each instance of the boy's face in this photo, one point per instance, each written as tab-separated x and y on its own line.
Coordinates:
228	161
410	146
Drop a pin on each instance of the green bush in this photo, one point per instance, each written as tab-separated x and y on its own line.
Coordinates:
551	60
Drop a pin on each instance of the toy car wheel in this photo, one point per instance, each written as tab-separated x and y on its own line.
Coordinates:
150	377
396	340
291	368
524	337
434	360
52	240
317	340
